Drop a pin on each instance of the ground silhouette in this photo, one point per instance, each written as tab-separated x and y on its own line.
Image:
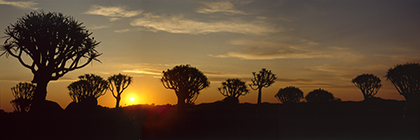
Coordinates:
376	119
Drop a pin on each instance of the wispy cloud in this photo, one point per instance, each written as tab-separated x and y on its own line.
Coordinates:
222	7
122	30
292	54
97	27
114	12
20	4
179	24
144	71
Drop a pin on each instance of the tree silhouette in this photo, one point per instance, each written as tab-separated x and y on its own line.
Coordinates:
50	45
23	93
289	94
232	89
406	79
369	84
263	79
186	81
117	84
88	89
319	96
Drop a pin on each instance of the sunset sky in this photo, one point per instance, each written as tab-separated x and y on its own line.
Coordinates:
308	44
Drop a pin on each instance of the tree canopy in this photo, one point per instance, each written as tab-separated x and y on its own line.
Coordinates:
23	93
319	96
186	81
262	79
289	94
232	89
117	84
50	45
406	79
369	84
89	86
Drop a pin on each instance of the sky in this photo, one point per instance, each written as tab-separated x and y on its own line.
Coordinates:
309	44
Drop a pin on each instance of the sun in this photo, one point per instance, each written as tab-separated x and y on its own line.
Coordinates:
132	99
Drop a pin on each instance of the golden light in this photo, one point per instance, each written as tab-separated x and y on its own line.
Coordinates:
133	98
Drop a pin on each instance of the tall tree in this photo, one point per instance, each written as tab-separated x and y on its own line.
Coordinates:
233	88
369	84
50	45
89	87
319	96
117	84
289	94
23	93
406	79
263	79
186	81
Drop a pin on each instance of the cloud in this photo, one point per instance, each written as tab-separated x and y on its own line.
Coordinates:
20	4
292	54
179	24
122	30
145	71
222	7
115	12
97	27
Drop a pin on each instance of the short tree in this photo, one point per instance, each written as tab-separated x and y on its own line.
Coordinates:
23	93
289	94
319	96
233	88
406	79
50	45
89	87
186	81
369	84
117	84
263	79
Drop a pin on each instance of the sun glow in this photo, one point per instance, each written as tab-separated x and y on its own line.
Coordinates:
134	99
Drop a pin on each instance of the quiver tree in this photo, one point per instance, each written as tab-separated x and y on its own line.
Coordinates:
263	79
186	81
232	89
406	79
117	84
23	93
289	94
320	96
88	89
50	45
369	84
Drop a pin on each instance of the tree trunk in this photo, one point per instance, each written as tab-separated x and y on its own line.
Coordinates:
259	95
181	100
117	105
411	111
39	95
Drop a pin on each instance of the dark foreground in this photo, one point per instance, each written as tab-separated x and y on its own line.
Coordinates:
342	120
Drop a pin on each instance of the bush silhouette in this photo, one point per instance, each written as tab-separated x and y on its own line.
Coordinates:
369	84
232	89
289	94
319	96
263	79
186	81
56	44
117	84
23	93
88	89
406	79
